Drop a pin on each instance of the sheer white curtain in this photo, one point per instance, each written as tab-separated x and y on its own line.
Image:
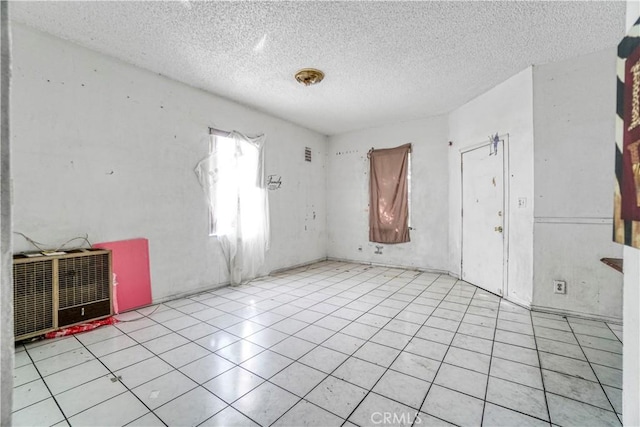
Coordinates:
233	179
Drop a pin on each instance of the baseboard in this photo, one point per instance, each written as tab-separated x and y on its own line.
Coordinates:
510	298
518	301
304	264
571	313
189	293
222	285
377	264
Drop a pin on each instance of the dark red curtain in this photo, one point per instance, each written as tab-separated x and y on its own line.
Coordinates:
388	195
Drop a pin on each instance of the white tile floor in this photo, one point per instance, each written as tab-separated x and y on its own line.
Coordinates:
331	344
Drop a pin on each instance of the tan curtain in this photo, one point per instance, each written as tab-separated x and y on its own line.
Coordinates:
388	195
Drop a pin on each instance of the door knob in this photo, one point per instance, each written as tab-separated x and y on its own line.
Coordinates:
498	228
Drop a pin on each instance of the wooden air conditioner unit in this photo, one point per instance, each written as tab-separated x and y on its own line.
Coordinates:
53	291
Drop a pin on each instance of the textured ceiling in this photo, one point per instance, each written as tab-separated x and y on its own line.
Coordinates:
385	62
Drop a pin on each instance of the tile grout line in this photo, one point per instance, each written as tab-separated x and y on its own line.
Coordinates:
240	338
493	344
563	342
580	333
111	372
66	419
238	365
123	384
348	355
124	367
594	373
586	359
316	344
365	341
156	322
234	363
502	379
197	383
311	291
108	369
447	351
614	333
350	322
380	328
399	353
326	314
544	390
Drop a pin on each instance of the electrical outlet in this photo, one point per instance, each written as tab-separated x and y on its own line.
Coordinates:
559	287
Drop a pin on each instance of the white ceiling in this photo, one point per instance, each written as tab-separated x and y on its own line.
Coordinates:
385	62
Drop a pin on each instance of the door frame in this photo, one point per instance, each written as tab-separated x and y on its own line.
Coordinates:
504	139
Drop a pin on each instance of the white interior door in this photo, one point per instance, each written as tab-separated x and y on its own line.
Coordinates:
483	254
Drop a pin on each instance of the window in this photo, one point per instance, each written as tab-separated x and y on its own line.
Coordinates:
222	160
238	187
389	183
232	176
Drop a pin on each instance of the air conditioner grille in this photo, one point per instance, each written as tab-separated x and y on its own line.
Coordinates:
83	279
33	296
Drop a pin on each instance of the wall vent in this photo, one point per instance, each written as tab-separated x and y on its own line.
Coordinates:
307	154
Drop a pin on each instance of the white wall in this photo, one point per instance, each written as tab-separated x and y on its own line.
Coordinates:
574	122
631	338
348	194
7	348
105	148
507	108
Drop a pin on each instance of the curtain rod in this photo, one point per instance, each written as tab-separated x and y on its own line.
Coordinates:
219	132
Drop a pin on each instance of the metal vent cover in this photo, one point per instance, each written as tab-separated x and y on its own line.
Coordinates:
307	154
83	279
33	297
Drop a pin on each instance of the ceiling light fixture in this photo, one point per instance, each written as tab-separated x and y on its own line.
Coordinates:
309	76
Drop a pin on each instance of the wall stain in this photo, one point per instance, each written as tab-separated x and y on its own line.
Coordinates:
341	153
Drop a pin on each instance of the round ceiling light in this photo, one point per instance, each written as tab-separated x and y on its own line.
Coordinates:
309	76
